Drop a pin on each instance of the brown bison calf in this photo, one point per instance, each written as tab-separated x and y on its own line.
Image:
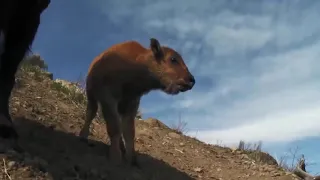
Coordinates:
119	77
19	21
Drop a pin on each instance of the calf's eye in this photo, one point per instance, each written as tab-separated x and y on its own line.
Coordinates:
174	60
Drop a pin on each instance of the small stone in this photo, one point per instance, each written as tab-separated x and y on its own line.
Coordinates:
238	152
276	174
198	170
173	135
288	173
11	164
244	156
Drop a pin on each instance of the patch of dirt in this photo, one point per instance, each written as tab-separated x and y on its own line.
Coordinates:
49	122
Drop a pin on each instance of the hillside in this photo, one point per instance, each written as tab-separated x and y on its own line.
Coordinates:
49	117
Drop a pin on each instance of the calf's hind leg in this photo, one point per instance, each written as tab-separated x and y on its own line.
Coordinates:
112	118
91	112
128	111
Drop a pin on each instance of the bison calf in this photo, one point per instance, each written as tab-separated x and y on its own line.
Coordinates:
119	77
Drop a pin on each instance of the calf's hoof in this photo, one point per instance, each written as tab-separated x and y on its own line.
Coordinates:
131	161
134	162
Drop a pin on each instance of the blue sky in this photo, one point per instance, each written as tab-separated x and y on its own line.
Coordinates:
256	63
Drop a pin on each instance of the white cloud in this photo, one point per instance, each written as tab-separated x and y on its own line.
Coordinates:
281	127
260	62
284	126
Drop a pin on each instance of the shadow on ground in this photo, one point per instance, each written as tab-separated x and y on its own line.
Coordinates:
66	157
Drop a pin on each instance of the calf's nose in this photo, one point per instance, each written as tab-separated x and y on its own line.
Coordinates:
191	81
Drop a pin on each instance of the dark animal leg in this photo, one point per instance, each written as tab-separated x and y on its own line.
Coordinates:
19	35
9	63
19	23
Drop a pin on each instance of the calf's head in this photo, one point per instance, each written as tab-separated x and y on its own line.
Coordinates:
168	67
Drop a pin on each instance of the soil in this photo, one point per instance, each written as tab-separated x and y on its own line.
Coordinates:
49	122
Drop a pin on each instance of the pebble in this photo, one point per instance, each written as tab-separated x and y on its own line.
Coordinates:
174	135
198	169
11	164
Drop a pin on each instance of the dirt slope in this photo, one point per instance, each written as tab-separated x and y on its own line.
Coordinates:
49	122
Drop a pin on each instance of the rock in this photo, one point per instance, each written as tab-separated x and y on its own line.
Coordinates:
275	174
198	170
244	156
155	123
11	164
174	135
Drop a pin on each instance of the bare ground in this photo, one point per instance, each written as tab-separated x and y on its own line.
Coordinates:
49	121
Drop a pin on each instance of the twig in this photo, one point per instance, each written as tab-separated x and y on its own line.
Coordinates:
5	169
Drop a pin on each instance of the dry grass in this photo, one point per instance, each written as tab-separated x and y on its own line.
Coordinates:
289	161
71	92
181	126
5	170
254	151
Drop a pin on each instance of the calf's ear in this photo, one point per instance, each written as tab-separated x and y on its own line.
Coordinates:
156	48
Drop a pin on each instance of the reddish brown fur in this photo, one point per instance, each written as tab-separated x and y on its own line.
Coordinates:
117	79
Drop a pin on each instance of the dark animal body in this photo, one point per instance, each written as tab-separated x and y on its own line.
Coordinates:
19	21
119	77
